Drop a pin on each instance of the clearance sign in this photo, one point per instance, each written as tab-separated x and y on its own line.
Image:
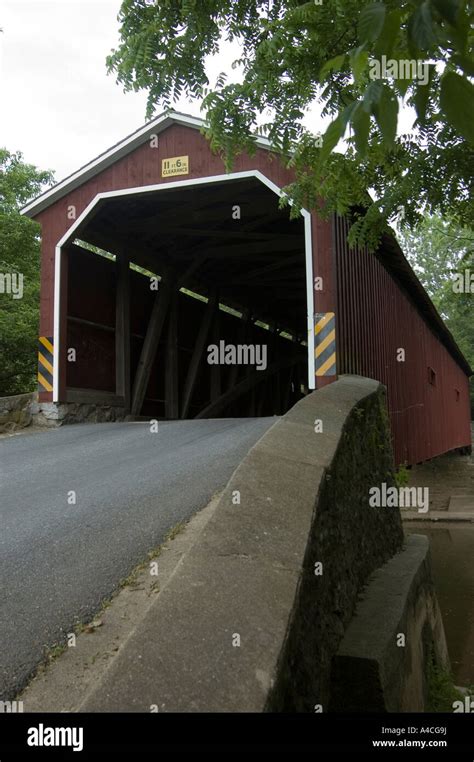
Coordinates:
178	165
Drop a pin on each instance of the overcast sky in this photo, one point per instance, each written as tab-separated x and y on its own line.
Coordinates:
58	105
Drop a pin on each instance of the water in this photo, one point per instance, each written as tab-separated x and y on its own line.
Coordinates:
452	554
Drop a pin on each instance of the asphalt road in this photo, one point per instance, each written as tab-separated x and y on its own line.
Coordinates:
59	560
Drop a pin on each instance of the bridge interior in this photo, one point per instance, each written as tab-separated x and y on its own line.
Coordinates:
228	266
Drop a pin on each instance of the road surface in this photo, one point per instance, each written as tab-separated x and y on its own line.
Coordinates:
80	506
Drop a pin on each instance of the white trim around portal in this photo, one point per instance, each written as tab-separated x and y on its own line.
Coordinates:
213	179
57	317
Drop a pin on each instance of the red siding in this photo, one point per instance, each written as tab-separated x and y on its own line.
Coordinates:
140	168
374	319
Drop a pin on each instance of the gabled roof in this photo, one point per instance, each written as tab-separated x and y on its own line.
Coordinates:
112	155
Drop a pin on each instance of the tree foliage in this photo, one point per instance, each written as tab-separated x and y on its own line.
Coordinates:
19	254
295	54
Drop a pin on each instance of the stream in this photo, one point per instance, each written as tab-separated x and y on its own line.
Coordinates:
452	554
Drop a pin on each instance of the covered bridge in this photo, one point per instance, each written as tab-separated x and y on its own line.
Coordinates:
197	257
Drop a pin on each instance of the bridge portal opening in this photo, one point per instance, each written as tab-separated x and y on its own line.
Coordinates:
199	307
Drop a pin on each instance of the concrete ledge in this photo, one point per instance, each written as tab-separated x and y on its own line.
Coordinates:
444	516
245	624
373	671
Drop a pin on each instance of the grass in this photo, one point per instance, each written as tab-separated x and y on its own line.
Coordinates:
442	693
402	475
150	556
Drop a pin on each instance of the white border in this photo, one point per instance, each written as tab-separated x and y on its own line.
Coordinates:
181	184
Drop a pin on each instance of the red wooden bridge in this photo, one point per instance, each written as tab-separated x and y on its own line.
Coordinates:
195	256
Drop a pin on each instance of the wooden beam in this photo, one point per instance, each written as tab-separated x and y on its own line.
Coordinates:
286	398
262	311
250	381
273	386
216	370
252	409
242	333
205	214
294	238
252	401
191	269
277	394
150	345
171	366
100	326
169	283
198	352
262	396
244	248
122	328
278	265
297	380
93	397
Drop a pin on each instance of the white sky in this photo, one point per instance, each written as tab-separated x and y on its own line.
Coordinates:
58	106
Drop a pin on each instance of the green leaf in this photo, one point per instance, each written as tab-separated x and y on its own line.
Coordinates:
420	100
457	102
386	114
388	37
448	9
372	96
371	20
334	64
421	31
358	58
464	63
331	137
346	115
361	125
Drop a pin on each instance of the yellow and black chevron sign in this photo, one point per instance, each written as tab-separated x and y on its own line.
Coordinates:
45	363
325	344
